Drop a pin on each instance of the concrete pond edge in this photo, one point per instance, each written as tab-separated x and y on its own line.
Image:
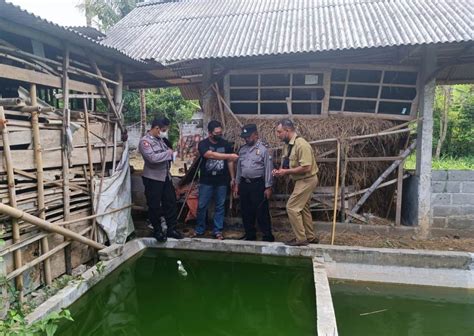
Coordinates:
395	266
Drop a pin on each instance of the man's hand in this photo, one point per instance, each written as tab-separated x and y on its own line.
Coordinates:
232	157
268	193
235	190
170	152
279	172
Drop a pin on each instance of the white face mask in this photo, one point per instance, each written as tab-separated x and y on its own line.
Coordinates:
164	135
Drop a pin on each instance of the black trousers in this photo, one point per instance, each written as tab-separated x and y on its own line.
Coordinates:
161	201
254	205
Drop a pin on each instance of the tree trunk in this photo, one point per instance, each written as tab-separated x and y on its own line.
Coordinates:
443	120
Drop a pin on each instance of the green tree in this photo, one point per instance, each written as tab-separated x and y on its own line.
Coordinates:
160	103
454	120
103	14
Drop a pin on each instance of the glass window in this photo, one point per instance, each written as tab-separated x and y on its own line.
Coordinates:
273	108
367	106
365	76
339	75
244	108
308	94
243	80
308	79
306	108
274	94
400	77
275	80
394	108
244	94
400	93
335	104
362	91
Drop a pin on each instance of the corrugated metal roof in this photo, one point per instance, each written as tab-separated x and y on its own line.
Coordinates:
88	31
20	16
200	29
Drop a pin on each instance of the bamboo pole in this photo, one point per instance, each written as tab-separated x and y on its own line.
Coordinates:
11	102
343	181
43	257
94	216
142	112
89	148
17	257
48	226
40	180
106	91
65	158
336	189
398	209
219	97
221	110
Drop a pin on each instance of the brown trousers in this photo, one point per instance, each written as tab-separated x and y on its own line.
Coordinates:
298	210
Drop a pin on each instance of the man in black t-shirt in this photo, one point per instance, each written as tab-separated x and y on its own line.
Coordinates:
216	173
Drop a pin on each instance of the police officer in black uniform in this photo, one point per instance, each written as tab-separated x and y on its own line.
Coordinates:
254	181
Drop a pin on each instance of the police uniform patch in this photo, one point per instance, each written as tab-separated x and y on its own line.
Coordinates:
146	144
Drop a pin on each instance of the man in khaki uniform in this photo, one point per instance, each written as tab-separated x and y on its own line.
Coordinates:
299	163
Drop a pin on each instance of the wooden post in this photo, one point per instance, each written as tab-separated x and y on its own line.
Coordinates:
65	158
206	93
398	209
89	146
142	112
17	258
50	227
40	180
344	148
221	110
336	189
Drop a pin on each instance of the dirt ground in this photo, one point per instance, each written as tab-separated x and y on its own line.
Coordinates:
282	232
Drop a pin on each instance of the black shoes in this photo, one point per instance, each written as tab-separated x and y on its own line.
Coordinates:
268	238
253	238
160	237
175	234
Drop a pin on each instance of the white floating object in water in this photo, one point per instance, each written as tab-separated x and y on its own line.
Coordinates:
181	269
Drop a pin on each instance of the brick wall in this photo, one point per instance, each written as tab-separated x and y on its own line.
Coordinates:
453	199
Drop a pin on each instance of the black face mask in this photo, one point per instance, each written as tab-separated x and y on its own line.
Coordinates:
250	143
217	137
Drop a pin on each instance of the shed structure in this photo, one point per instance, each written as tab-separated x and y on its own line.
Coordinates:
61	127
354	71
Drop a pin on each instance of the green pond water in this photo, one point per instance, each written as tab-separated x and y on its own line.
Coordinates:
223	294
370	309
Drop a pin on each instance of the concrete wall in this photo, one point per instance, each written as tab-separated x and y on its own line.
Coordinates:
453	199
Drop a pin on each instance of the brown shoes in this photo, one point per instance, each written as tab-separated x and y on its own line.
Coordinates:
295	242
314	241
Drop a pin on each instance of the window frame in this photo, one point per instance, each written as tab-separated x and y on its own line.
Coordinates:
326	70
324	86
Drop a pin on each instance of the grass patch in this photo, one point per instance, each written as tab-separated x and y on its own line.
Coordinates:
444	163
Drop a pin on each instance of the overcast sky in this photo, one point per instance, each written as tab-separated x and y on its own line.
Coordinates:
63	12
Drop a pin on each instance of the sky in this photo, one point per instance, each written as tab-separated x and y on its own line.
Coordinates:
63	12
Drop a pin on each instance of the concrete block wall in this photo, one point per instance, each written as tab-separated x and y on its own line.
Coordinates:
453	199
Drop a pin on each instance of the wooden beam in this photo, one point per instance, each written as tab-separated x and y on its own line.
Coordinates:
40	179
40	78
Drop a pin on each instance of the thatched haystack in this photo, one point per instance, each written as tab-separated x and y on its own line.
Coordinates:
358	175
